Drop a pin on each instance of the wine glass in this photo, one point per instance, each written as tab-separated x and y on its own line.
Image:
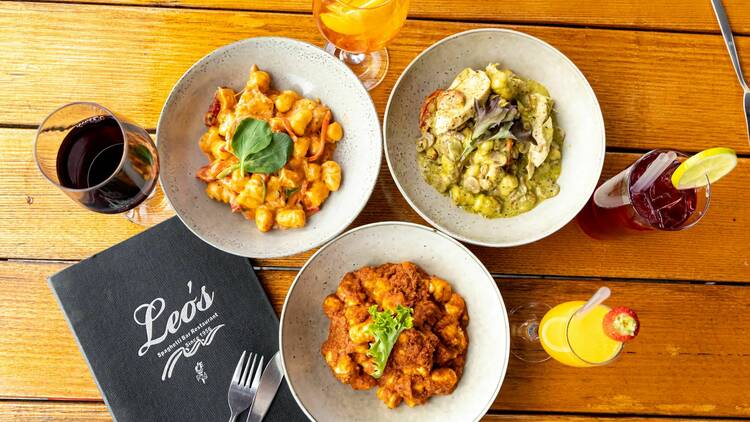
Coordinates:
357	32
101	160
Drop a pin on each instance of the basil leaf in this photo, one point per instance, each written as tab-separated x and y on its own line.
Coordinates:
224	173
272	157
250	137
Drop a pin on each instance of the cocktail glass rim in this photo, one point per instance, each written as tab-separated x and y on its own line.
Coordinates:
707	189
349	6
105	112
572	349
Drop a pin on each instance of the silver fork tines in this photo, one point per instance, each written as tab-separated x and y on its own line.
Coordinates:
244	384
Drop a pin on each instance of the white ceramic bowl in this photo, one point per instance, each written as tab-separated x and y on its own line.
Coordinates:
304	327
294	65
578	114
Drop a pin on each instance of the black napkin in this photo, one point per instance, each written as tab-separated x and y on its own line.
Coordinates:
199	307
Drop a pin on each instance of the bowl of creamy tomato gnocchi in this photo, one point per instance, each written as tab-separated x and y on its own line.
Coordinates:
268	147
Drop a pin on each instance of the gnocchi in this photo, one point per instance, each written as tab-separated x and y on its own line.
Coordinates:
286	198
426	360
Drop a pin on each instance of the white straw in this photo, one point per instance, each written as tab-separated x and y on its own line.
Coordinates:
654	170
600	296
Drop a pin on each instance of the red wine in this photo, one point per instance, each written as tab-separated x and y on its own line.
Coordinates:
91	159
90	153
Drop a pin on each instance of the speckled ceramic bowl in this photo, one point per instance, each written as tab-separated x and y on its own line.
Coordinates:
578	114
293	65
304	327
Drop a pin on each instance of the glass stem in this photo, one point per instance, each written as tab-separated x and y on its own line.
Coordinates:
351	58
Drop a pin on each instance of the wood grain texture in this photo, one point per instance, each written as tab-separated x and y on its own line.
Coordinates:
681	15
688	359
655	89
38	221
21	411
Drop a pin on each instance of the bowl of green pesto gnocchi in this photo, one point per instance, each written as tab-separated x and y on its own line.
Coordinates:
494	137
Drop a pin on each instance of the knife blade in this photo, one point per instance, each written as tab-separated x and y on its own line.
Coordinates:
269	385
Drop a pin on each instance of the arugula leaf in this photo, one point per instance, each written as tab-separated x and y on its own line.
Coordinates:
250	137
491	117
503	132
386	327
272	157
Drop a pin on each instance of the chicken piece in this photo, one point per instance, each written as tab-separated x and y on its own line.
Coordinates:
474	84
456	105
542	129
427	111
451	111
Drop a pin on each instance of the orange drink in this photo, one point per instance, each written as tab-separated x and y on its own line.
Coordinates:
358	31
360	26
577	340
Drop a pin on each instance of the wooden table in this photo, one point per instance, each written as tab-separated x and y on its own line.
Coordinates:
659	69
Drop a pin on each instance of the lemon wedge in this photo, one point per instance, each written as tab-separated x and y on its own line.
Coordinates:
709	165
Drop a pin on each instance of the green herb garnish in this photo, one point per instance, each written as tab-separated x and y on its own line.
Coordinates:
251	136
386	327
290	191
258	149
224	173
490	118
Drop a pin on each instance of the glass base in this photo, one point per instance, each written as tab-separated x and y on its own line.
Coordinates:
370	68
524	332
152	211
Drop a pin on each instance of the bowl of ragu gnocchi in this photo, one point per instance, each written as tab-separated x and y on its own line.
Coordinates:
268	147
394	321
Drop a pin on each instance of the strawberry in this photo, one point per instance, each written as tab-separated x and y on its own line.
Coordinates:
621	324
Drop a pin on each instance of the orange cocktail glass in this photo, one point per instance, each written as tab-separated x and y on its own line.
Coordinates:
358	31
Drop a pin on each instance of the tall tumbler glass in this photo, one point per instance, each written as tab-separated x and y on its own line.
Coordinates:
620	208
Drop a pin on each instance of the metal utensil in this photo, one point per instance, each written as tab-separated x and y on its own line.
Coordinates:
726	32
269	385
244	384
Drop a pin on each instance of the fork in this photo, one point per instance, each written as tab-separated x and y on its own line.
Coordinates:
726	32
244	384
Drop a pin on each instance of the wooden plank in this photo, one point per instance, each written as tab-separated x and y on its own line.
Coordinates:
51	226
656	89
688	359
21	411
680	15
93	412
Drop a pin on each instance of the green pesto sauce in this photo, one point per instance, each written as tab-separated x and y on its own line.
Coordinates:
495	204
